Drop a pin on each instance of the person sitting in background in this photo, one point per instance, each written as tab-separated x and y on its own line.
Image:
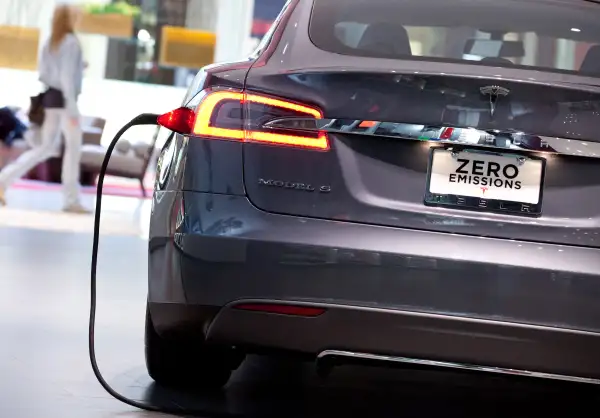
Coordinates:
61	71
11	127
11	130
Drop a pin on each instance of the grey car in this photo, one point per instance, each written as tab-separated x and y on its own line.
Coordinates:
300	208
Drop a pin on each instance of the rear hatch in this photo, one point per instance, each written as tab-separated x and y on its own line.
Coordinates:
507	155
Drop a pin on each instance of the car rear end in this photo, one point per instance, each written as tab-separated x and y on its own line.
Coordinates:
384	180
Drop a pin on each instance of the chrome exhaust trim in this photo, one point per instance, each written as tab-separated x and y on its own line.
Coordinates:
450	365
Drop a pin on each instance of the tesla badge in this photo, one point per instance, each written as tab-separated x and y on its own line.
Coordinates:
494	92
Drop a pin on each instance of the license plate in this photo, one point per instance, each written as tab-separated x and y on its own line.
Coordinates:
485	181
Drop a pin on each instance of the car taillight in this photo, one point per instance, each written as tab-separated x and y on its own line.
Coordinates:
239	116
179	120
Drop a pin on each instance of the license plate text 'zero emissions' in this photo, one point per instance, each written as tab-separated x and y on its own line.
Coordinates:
485	182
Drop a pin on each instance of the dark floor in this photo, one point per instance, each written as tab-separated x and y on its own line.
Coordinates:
44	368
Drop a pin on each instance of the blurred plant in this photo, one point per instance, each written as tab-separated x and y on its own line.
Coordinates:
119	7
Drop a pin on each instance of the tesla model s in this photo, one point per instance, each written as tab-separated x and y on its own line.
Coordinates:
406	181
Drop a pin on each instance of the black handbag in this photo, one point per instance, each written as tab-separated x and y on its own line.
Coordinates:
53	99
50	99
37	112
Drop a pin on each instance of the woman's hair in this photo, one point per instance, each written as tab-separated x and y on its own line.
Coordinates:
62	25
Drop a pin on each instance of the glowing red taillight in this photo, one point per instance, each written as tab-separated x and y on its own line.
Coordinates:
179	120
232	115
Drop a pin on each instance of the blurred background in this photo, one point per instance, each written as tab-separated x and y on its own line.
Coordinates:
141	54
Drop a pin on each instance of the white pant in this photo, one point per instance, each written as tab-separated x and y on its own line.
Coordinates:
45	142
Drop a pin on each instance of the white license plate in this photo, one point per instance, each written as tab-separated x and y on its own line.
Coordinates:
486	180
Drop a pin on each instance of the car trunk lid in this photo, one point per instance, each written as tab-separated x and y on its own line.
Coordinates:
382	128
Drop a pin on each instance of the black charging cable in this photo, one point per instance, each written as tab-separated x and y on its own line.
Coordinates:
143	119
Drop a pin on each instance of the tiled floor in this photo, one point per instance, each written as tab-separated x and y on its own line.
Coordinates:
41	210
44	287
44	368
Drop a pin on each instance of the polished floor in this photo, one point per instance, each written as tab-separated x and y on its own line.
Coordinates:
44	368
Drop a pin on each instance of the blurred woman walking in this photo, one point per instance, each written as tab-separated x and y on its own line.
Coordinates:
61	71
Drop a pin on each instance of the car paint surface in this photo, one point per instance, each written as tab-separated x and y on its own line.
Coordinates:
219	236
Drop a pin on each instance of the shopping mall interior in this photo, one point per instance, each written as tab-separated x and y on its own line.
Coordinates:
141	56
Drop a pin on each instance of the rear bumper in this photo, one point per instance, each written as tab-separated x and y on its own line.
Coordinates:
419	338
208	250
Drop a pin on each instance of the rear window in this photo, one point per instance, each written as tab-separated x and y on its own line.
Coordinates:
550	35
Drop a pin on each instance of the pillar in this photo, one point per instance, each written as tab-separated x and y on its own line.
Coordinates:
233	29
95	48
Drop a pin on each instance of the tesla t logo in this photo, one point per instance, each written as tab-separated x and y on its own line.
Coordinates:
483	189
493	92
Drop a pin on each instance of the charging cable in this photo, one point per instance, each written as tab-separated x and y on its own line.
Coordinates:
143	119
